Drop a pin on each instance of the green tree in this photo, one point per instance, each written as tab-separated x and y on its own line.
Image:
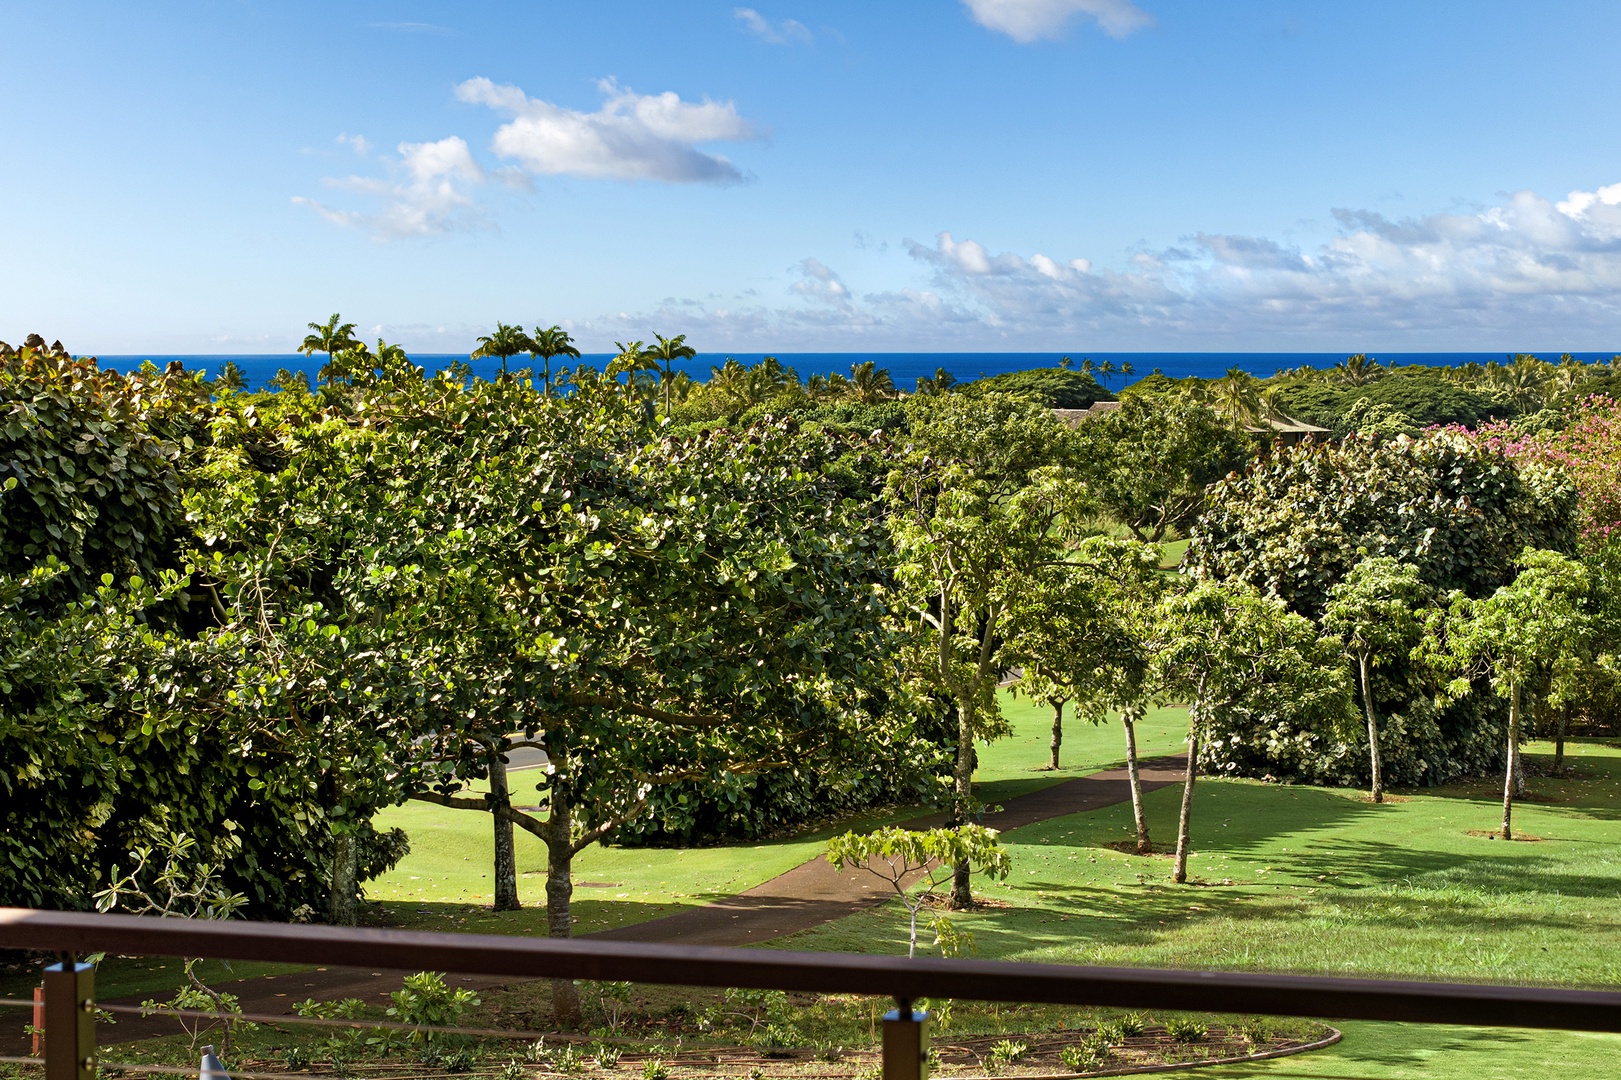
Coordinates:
1377	613
1357	370
1225	646
1082	633
870	384
548	343
1150	462
1518	637
916	862
979	500
330	337
504	342
664	355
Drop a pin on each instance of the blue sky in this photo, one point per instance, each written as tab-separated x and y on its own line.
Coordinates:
985	174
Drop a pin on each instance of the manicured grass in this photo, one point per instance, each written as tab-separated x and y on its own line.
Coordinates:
444	882
1317	880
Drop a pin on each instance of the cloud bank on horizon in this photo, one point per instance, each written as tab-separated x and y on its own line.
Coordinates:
1527	264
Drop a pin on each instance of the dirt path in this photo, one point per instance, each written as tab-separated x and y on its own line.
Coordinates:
810	895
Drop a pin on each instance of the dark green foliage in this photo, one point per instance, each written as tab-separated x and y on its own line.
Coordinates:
1427	396
1295	524
1057	388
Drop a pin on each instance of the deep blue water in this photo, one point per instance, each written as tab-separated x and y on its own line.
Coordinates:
904	368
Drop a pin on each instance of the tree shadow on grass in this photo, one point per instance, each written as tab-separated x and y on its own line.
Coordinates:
530	921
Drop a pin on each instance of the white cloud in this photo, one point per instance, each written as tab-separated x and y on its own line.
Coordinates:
358	143
1526	272
786	32
426	193
1031	20
632	137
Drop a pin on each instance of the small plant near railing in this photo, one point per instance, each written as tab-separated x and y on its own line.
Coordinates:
512	1070
1255	1030
1005	1053
916	863
566	1059
295	1057
613	999
425	1000
1089	1053
939	1012
606	1056
765	1012
872	1072
1112	1033
654	1069
1132	1024
1184	1029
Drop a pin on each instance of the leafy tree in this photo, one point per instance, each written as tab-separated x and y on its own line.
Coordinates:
1518	637
916	862
330	337
505	341
1377	612
1223	647
1082	633
230	379
550	342
1149	462
980	499
942	381
1055	387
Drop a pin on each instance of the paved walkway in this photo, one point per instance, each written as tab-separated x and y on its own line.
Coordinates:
810	895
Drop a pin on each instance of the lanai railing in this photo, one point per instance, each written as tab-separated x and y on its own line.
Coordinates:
69	1009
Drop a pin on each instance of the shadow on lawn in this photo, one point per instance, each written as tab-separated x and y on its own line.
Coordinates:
1412	1046
589	915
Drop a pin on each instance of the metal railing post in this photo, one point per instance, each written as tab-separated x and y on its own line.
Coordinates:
906	1043
70	1021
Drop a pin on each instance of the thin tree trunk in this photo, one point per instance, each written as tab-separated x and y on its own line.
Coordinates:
1129	715
1184	822
566	1011
506	859
343	910
1058	733
1375	764
1513	761
962	896
1559	740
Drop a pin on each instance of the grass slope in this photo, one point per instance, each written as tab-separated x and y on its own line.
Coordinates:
1317	880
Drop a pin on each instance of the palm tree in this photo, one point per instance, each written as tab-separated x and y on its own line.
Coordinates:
1238	396
550	342
331	337
506	341
870	384
942	382
1104	371
230	378
1358	370
665	354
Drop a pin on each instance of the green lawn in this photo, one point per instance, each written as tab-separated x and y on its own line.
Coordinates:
1309	879
444	883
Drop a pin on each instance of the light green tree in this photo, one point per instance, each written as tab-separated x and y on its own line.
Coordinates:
330	337
979	499
1377	613
665	354
1517	637
1223	646
917	862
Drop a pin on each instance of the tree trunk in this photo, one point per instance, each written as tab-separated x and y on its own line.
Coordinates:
1180	873
1513	761
1129	715
559	891
506	859
343	910
1058	733
1375	764
962	896
1559	740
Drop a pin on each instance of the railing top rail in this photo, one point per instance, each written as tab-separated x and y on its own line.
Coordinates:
774	969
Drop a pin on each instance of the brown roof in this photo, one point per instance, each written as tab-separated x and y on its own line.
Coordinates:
1075	416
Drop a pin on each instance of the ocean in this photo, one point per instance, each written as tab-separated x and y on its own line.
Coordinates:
904	368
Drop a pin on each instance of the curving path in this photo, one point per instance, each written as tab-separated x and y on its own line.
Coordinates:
810	895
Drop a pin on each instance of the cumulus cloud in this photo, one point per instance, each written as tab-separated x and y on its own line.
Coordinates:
1026	21
1527	271
631	137
427	192
786	32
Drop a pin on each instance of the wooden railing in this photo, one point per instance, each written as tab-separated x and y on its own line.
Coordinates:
69	1016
